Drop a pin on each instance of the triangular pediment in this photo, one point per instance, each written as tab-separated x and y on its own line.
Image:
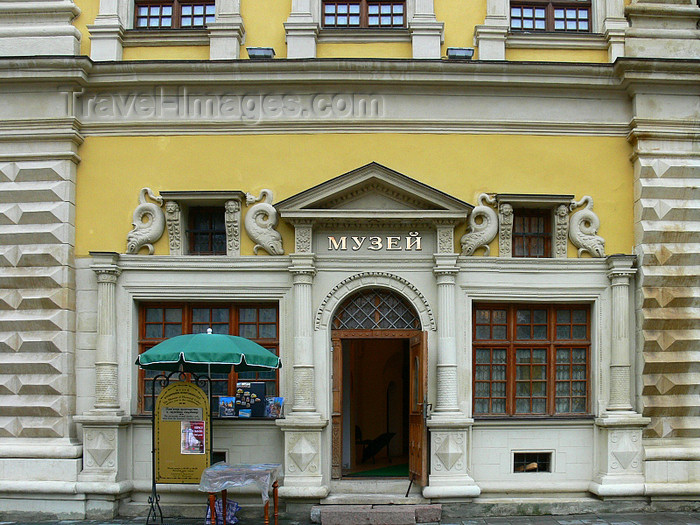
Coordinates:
372	192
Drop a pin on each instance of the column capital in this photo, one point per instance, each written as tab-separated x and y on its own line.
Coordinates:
106	266
445	265
303	264
620	265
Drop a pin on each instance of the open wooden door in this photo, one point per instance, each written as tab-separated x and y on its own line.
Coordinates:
337	415
417	429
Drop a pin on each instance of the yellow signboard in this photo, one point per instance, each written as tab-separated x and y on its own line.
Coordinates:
183	436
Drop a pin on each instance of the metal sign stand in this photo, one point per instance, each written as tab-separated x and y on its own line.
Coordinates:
163	380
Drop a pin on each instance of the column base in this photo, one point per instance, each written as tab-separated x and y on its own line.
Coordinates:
621	455
225	40
104	440
303	478
449	474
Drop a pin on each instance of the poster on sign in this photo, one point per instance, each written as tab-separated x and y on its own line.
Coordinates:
192	437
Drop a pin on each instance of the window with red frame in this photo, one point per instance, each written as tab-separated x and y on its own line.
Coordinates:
368	14
258	322
531	360
543	15
173	14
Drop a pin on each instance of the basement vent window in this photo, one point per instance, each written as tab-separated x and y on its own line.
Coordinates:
532	462
217	456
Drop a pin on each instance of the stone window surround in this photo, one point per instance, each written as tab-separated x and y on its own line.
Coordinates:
304	30
112	31
176	219
536	201
608	25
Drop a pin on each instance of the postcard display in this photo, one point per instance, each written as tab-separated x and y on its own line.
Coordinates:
250	402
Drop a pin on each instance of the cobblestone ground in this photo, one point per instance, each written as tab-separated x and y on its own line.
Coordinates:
652	518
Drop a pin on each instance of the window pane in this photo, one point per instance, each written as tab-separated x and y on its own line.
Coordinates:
539	406
173	315
154	331
539	332
247	315
200	315
522	406
523	316
563	332
579	332
186	9
268	331
523	332
171	330
220	329
154	315
248	331
499	332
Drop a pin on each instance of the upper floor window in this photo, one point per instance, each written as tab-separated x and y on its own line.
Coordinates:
532	233
531	360
554	16
206	231
371	14
173	14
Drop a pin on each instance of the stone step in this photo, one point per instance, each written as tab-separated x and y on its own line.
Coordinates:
376	514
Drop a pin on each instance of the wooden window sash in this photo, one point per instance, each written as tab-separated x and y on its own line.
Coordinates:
551	344
364	14
176	17
549	7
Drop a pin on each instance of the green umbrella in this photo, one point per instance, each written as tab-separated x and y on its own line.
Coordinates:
208	353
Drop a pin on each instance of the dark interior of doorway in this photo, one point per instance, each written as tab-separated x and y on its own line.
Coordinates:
375	408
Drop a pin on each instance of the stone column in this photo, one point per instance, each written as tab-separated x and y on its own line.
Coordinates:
226	33
106	371
620	454
619	273
302	29
105	427
302	426
445	271
448	426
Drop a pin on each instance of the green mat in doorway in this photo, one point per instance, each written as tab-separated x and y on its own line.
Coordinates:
392	471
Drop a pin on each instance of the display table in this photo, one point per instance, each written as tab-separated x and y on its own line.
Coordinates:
221	476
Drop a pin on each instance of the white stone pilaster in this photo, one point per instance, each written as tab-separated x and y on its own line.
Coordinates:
226	33
107	33
620	458
445	271
107	385
448	426
302	426
613	26
427	34
490	37
105	458
620	270
302	29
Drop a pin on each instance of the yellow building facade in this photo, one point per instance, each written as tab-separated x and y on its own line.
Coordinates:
469	230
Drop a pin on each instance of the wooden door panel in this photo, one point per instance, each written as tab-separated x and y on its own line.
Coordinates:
337	414
417	430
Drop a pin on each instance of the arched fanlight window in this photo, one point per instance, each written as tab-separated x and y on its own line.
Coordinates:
376	309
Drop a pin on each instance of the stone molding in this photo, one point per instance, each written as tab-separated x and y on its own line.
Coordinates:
358	281
38	27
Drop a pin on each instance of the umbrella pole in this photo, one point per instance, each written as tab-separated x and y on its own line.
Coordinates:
211	419
154	498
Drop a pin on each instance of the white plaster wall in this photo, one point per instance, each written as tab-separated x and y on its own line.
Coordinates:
571	445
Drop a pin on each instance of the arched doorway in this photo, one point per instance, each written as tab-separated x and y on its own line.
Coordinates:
379	376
